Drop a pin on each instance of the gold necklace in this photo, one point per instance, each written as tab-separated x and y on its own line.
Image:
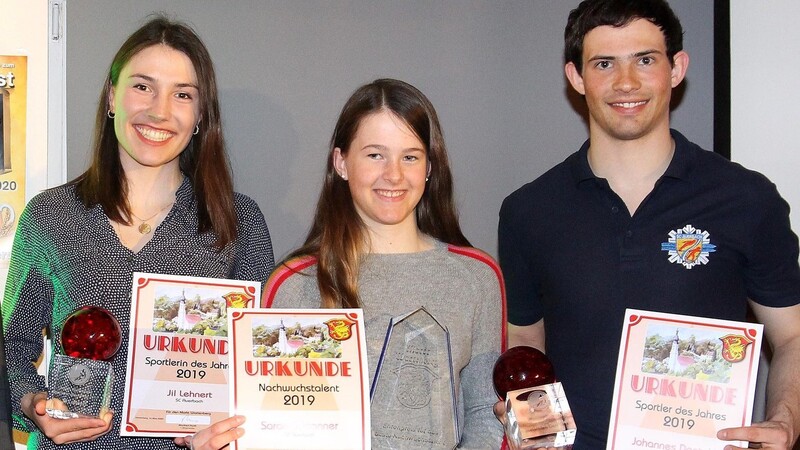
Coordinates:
144	227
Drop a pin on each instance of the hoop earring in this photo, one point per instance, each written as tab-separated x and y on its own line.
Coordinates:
196	129
110	114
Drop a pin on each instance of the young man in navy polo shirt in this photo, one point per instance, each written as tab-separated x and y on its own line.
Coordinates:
591	236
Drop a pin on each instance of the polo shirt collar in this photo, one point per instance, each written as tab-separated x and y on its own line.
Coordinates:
678	168
682	160
579	163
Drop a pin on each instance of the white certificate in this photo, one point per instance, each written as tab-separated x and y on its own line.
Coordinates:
177	368
680	379
300	377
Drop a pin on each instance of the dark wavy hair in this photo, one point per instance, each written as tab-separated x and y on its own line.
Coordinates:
591	14
204	160
338	236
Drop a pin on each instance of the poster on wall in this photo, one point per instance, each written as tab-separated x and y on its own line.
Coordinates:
13	107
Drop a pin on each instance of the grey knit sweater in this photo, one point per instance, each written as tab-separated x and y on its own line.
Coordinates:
461	287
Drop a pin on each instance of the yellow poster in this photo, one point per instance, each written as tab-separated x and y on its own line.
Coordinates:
13	107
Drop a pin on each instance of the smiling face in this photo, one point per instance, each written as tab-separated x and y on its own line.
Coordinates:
627	79
385	166
156	103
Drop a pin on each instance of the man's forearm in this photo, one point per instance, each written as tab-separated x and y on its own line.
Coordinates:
783	386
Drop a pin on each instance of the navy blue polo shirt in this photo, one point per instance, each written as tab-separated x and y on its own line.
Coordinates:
709	236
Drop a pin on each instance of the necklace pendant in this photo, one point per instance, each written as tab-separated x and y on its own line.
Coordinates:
144	228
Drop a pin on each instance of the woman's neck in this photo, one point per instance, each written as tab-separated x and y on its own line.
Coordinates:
151	188
399	240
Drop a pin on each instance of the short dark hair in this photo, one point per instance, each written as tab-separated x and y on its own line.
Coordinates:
591	14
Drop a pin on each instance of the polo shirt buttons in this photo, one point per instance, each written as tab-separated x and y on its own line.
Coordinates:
629	233
614	209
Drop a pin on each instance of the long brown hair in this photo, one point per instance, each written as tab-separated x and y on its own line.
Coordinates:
204	160
338	235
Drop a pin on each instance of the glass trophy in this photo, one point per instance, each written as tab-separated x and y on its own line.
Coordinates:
80	379
413	389
537	411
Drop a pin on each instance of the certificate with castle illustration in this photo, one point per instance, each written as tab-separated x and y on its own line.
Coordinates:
680	379
177	368
300	377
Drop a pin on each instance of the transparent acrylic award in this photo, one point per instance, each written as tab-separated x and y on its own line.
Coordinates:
413	393
80	380
537	412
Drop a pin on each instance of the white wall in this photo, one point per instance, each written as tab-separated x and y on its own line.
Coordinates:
765	41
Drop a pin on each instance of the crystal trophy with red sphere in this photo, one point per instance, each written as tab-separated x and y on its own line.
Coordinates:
80	378
413	386
537	411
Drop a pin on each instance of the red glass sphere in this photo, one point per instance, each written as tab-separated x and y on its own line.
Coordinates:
91	332
521	367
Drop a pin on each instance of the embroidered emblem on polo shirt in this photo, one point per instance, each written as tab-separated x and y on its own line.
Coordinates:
688	246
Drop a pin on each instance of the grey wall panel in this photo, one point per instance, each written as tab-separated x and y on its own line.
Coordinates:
493	69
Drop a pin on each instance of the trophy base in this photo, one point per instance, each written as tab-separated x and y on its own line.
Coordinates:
78	387
539	417
60	414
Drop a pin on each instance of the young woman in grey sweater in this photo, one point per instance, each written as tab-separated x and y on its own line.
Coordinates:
386	238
